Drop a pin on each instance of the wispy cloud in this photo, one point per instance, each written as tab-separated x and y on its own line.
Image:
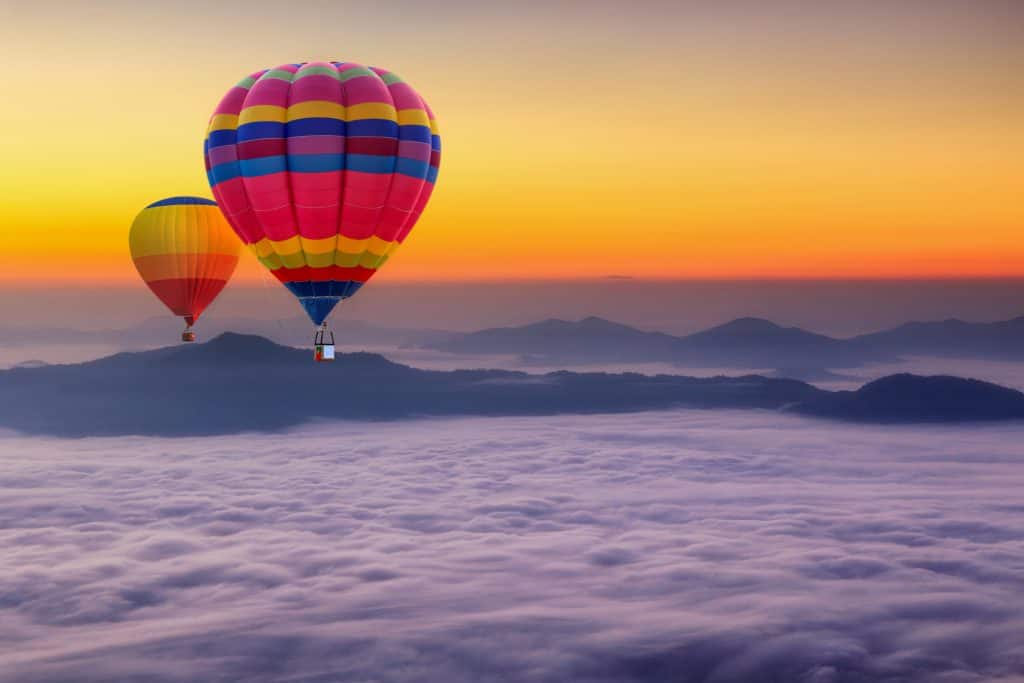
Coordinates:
715	547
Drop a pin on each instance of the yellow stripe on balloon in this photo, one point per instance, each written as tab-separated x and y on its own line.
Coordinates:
413	117
297	251
325	245
350	245
316	109
261	113
380	247
265	247
222	122
371	110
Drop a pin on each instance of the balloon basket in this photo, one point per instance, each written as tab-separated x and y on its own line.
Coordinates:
188	336
323	350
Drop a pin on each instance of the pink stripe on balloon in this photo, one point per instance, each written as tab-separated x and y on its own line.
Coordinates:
232	101
390	223
366	189
317	198
270	198
405	97
317	222
277	223
358	222
234	204
411	149
316	87
404	191
316	144
222	154
271	91
365	89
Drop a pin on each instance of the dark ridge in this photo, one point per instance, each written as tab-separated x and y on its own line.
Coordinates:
912	398
237	383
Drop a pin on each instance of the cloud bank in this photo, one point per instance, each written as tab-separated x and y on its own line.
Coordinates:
677	546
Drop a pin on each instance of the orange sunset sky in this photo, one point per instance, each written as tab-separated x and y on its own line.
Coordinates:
581	139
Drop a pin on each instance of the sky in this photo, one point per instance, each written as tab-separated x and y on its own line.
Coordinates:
715	546
649	139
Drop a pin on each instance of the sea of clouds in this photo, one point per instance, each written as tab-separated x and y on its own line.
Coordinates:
673	546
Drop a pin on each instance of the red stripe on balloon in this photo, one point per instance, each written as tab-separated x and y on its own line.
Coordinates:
383	147
338	273
268	147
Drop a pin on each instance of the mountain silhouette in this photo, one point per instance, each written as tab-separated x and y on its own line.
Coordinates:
950	338
591	339
238	383
910	398
742	343
241	382
752	343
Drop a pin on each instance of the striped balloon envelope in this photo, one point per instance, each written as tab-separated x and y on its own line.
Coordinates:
322	169
185	252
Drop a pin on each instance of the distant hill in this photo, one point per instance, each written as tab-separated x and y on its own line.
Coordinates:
757	343
592	339
751	343
241	382
910	398
743	343
951	338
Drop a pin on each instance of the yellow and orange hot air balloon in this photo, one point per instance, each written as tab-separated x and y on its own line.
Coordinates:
185	252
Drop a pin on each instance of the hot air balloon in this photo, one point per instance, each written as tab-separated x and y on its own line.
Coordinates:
185	252
322	168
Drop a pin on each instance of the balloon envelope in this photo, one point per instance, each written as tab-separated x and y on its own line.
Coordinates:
185	252
322	169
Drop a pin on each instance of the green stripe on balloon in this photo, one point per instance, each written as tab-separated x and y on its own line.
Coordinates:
317	71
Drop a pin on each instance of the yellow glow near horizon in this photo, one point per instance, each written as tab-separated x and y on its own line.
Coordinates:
570	151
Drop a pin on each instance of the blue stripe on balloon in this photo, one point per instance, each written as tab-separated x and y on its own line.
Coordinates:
319	307
183	201
417	133
432	175
263	166
219	138
318	299
321	163
258	130
372	128
315	163
223	172
369	163
314	126
412	167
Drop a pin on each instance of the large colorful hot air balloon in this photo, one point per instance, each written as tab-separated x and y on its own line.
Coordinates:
322	169
185	252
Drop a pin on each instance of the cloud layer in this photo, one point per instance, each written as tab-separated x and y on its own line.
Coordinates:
678	546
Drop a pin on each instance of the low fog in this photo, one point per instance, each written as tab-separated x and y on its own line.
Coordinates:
675	546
